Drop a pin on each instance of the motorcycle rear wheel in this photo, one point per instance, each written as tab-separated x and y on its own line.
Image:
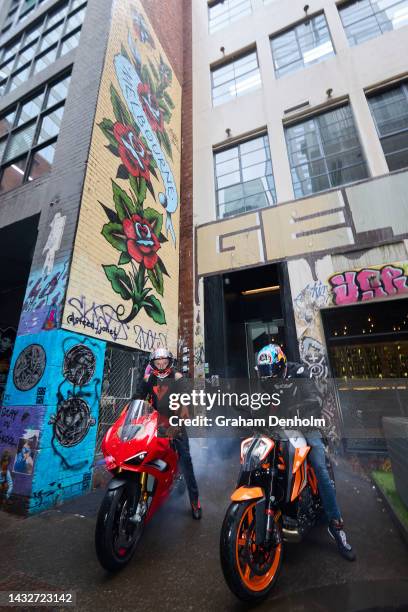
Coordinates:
238	552
115	537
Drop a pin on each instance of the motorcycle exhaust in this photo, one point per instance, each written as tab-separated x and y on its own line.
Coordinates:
291	535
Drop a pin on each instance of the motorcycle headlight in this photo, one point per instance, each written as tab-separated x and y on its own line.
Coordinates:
259	450
245	444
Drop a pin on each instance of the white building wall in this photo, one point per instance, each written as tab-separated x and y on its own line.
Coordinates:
348	74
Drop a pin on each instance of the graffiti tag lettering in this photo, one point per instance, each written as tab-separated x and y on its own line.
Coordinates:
148	340
101	318
352	286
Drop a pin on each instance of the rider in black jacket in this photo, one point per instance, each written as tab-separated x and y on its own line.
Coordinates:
302	397
157	386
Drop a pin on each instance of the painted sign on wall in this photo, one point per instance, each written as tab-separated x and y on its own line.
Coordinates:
124	274
365	284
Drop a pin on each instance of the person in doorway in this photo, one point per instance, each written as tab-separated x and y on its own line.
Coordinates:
272	364
155	386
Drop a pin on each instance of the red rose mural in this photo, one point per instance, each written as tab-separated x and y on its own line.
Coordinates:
142	244
134	155
151	107
133	229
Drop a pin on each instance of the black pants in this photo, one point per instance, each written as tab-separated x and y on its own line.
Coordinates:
183	448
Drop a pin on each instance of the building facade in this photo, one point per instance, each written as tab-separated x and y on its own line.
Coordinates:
300	156
91	185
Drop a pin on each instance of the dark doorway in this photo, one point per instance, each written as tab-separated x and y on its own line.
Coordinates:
244	311
17	243
368	354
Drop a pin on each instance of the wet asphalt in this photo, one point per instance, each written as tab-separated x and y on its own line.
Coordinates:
177	568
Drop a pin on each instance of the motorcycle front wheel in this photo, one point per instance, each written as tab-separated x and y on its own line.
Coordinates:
250	570
116	537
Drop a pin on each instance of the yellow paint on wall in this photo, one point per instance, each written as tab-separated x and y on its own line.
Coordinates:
104	296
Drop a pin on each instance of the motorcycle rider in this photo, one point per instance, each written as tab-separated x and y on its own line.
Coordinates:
272	364
154	386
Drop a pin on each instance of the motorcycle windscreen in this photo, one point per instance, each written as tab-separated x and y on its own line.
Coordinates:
134	425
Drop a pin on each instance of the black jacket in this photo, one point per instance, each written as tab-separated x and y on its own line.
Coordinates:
299	394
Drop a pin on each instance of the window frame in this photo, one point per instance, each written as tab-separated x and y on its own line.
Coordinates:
227	22
313	116
231	61
372	94
343	5
293	28
45	110
236	145
19	46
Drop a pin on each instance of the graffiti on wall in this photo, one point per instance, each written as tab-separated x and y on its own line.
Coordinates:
19	442
369	283
53	243
43	299
131	237
7	340
306	304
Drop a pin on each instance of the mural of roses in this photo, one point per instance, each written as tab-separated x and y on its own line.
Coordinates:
135	156
151	107
133	229
142	242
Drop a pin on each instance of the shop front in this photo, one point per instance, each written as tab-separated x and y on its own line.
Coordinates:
367	347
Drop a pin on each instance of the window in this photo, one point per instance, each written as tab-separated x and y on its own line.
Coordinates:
305	44
390	112
365	19
222	13
52	36
18	11
235	78
244	179
28	135
325	152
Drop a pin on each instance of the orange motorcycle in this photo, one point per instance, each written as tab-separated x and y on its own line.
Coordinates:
276	500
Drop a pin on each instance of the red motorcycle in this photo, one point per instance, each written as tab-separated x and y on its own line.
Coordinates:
145	469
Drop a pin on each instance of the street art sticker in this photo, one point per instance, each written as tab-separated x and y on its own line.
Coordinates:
369	283
132	235
29	367
53	242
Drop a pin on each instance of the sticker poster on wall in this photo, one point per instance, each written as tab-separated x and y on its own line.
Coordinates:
123	285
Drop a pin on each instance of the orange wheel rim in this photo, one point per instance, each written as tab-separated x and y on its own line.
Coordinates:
251	580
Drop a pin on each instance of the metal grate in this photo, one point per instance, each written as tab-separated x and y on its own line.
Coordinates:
123	372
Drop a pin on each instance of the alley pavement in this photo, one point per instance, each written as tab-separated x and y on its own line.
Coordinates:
177	564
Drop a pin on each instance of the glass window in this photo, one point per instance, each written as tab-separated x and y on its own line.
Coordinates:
45	60
222	13
25	56
6	123
50	124
305	44
365	19
41	44
18	78
41	162
28	148
51	37
235	78
70	43
244	178
75	20
12	175
20	141
30	109
325	152
58	92
6	69
390	112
